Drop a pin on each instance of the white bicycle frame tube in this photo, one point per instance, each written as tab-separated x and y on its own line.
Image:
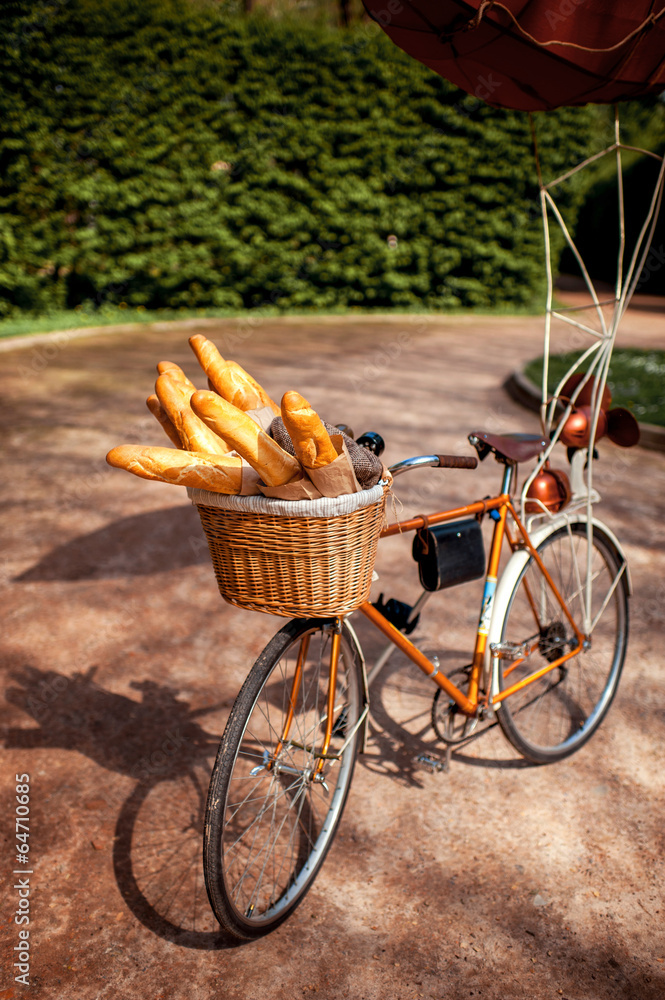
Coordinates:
510	576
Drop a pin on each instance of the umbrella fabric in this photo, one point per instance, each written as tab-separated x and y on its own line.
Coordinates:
533	55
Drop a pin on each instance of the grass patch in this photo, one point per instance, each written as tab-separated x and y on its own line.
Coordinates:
636	380
73	319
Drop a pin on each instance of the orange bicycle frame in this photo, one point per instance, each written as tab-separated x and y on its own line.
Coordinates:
470	702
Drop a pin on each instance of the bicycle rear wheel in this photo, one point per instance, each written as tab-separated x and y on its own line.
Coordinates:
552	717
270	819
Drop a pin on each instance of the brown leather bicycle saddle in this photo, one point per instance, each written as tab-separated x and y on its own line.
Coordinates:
508	447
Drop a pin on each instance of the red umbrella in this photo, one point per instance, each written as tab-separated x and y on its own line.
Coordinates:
533	55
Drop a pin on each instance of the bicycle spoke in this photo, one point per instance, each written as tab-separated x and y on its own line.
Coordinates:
553	715
607	599
252	859
273	827
257	819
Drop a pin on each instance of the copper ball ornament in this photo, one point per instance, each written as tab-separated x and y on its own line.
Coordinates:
551	487
584	398
577	429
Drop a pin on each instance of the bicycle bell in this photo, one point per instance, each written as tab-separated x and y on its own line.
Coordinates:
577	429
551	488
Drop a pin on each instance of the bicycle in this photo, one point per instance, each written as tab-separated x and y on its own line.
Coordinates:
549	649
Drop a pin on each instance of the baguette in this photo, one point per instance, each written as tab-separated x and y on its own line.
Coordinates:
176	372
161	415
174	396
275	466
220	474
229	379
311	441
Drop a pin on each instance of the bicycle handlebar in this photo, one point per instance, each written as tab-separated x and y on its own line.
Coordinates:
435	462
457	461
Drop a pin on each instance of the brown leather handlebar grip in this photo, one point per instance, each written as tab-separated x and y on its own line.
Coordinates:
457	462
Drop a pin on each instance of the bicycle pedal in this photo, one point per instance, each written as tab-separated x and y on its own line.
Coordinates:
339	726
510	650
433	764
398	614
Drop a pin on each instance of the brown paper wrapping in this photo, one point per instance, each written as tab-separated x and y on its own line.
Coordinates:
263	416
249	481
337	478
333	480
302	489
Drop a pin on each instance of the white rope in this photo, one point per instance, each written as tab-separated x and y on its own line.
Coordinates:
578	258
599	353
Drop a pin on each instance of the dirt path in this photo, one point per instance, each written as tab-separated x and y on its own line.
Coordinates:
120	663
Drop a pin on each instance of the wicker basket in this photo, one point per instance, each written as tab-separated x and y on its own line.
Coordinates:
297	559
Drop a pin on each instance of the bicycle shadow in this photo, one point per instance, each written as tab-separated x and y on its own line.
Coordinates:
400	728
130	546
158	832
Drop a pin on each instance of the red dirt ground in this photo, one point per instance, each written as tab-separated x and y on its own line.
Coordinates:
120	662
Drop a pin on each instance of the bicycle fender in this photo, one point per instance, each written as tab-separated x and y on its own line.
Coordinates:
365	686
516	564
539	536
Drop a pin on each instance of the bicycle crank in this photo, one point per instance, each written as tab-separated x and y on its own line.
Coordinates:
450	724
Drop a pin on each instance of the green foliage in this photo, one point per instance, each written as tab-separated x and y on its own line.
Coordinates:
170	155
635	379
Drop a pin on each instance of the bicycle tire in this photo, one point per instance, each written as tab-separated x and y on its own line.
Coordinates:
553	717
268	828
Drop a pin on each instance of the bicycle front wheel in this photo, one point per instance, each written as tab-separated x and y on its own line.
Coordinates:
272	812
550	718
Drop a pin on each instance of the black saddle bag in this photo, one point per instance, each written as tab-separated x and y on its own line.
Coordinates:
448	554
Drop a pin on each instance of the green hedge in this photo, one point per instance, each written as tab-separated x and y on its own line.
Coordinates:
169	155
